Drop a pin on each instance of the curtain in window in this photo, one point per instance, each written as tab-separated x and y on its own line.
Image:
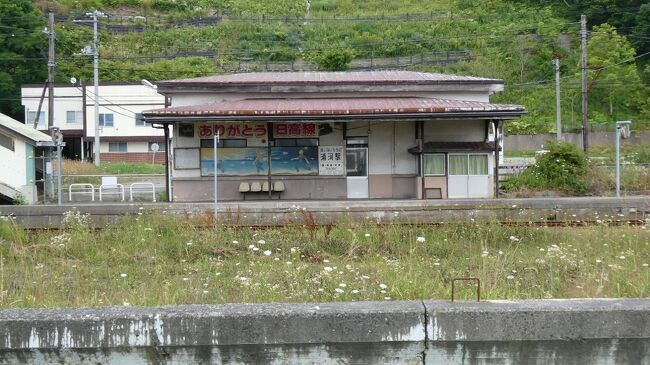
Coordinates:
478	165
457	164
434	164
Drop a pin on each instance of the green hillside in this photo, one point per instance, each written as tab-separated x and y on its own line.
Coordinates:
513	40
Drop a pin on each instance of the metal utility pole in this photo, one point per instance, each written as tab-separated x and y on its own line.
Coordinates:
558	113
585	105
50	70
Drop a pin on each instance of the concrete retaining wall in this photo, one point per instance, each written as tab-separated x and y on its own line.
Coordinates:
437	332
327	212
534	142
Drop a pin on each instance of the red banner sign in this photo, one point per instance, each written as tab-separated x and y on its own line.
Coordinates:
233	130
295	130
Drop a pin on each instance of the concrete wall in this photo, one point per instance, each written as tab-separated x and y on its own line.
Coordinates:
252	213
528	332
534	142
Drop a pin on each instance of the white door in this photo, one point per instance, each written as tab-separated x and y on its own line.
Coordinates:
356	161
457	182
468	176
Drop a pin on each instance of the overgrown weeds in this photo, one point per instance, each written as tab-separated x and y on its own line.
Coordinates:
158	260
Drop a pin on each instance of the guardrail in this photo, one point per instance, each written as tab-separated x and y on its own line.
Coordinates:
120	188
81	185
145	185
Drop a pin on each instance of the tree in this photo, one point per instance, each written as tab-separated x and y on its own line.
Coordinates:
616	86
22	45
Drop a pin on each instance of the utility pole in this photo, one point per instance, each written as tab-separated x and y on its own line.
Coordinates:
95	53
50	71
558	114
585	103
96	145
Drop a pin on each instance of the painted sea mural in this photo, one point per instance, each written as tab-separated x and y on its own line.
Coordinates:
294	161
235	161
253	161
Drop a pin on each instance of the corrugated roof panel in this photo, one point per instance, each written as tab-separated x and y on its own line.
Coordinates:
357	77
333	106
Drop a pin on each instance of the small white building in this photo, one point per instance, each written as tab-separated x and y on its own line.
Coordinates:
123	133
21	149
333	135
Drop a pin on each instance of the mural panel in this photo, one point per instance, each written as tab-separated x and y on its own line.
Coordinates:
235	161
294	160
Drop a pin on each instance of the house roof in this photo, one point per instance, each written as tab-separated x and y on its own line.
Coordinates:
19	129
332	78
314	108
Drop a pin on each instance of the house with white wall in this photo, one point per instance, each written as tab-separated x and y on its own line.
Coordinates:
123	134
333	135
21	160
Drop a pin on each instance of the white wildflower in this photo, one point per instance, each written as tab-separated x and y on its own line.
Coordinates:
510	277
340	291
328	269
383	286
420	239
261	242
123	275
267	253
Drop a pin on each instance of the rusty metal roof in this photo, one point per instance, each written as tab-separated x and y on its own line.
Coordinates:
332	107
322	78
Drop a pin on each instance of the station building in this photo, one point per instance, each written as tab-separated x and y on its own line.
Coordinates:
332	135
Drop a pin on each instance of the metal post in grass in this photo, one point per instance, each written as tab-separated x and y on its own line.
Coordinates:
622	130
215	142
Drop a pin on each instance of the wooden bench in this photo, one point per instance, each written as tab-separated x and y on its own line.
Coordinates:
256	187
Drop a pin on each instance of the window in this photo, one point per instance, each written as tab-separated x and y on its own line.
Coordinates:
224	143
161	146
117	146
296	142
42	122
139	120
74	117
468	164
434	164
457	164
6	141
478	164
105	120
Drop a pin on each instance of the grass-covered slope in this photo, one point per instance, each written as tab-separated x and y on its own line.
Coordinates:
512	40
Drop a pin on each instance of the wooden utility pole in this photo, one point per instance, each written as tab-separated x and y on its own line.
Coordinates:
50	70
585	103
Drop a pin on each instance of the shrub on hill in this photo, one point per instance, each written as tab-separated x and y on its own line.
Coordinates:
563	168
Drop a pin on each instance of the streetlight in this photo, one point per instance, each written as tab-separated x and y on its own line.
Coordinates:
622	130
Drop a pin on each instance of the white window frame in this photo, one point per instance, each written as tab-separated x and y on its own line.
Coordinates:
126	145
102	120
31	117
444	163
487	164
138	119
487	161
78	117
